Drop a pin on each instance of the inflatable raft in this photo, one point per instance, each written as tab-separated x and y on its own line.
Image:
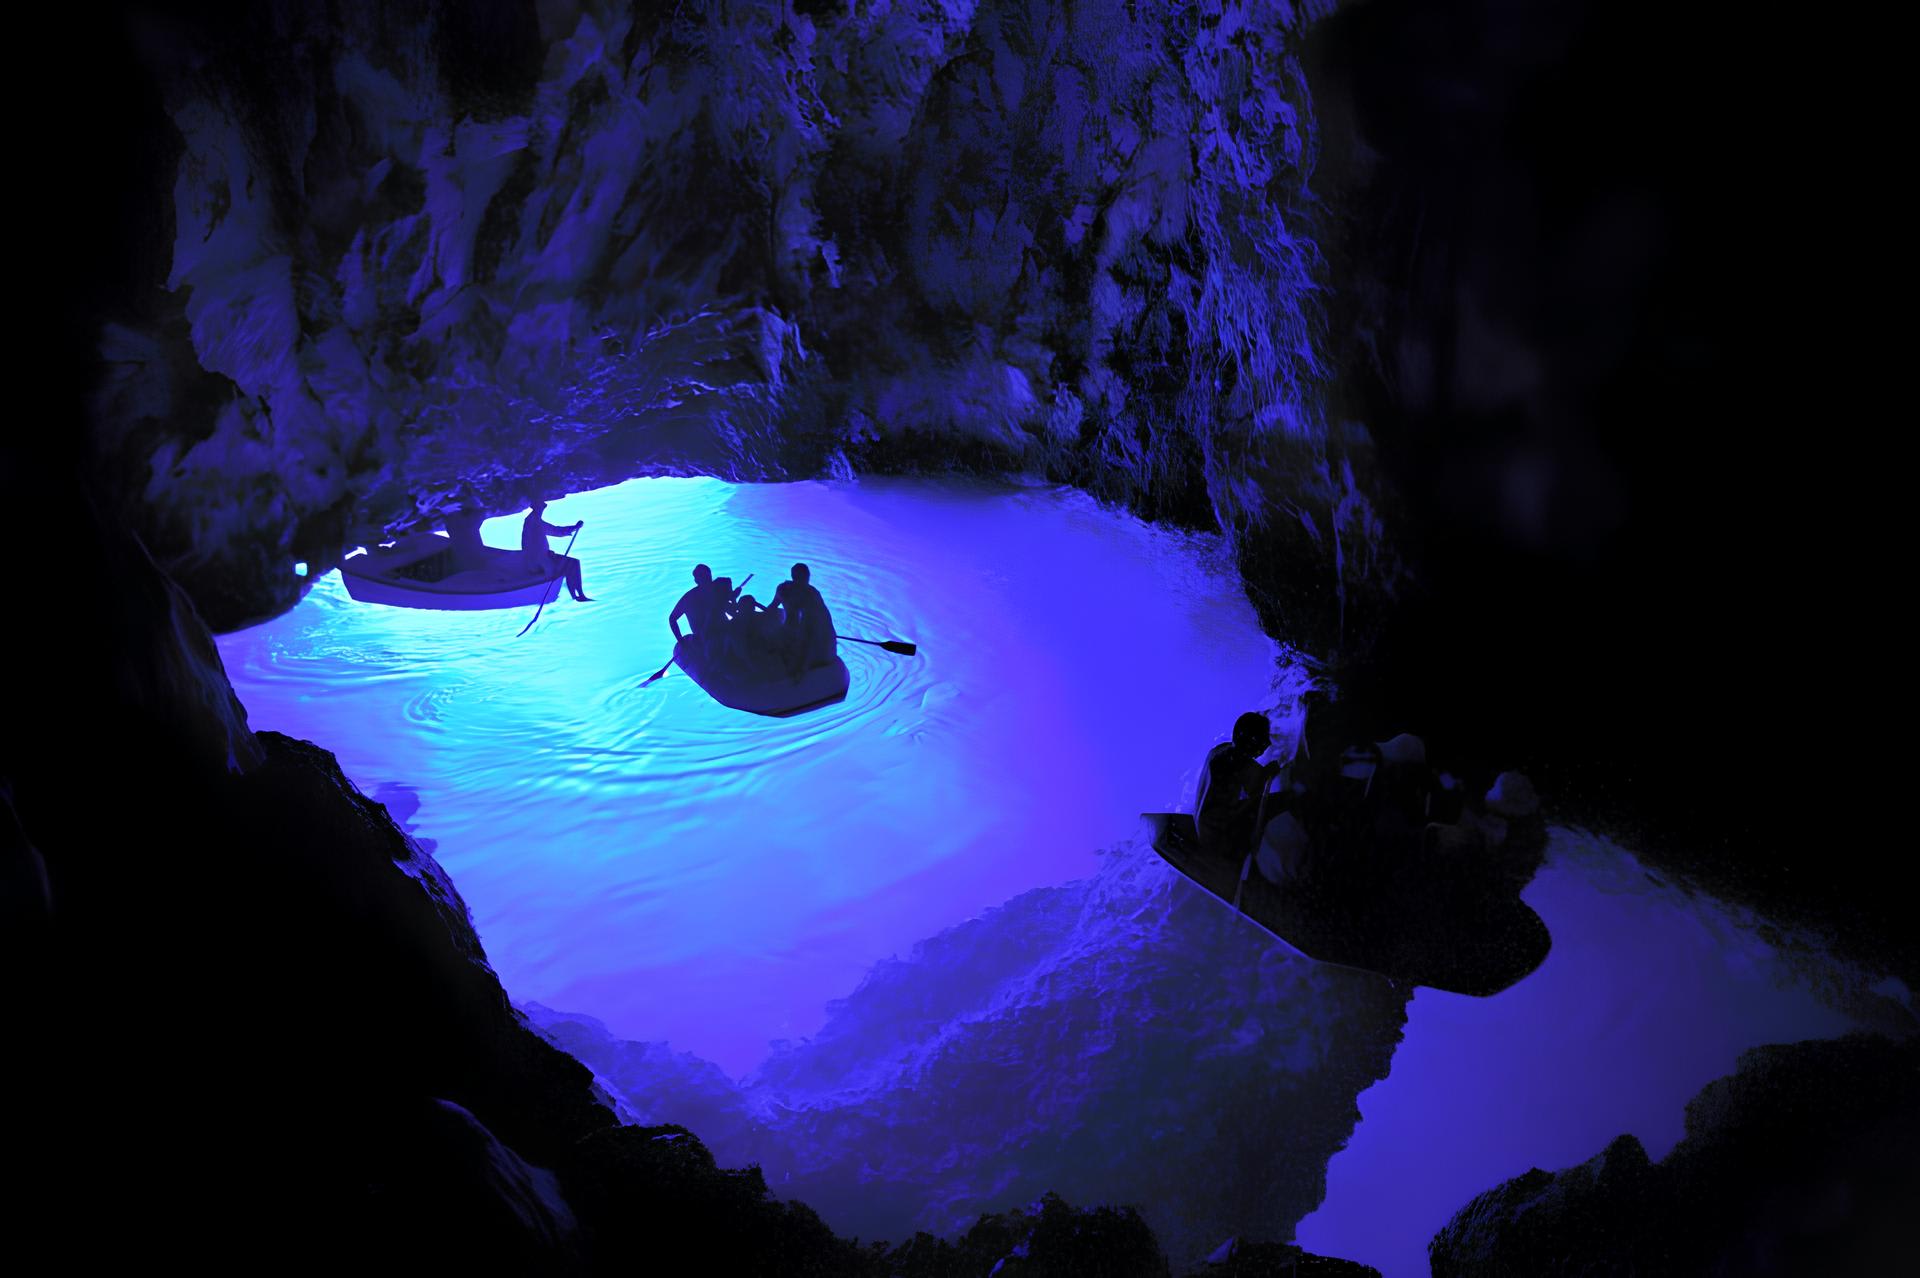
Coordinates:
1427	924
759	684
421	571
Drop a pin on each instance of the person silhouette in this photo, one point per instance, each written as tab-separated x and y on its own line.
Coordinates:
806	633
704	607
1233	782
540	557
463	530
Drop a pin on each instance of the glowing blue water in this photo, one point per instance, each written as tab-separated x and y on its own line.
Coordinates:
690	873
1649	994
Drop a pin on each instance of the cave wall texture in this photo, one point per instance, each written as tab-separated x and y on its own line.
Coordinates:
553	246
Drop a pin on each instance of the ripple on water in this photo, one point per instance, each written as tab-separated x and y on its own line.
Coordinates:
689	872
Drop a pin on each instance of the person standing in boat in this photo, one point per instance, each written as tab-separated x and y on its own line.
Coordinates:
1232	783
540	556
807	630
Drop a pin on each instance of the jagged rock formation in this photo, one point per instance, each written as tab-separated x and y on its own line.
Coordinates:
416	247
1799	1162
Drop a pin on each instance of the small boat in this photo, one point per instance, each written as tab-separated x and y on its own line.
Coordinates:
420	572
761	686
1421	927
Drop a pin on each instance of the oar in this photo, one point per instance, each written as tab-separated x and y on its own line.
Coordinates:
663	669
1259	821
555	582
1260	828
900	646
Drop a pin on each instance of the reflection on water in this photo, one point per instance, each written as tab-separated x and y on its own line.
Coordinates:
691	873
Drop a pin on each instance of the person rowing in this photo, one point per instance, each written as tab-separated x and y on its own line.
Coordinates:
704	606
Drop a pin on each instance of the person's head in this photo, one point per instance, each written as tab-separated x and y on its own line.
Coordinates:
702	575
1252	733
537	504
800	573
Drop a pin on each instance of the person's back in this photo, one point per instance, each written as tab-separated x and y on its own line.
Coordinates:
463	530
702	606
1232	783
534	531
810	638
816	626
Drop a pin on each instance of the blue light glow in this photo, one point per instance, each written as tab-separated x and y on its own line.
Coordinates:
1649	994
715	879
688	872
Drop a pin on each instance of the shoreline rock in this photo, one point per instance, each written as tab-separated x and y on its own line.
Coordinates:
1801	1161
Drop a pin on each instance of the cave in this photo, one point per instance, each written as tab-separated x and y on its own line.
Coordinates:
1486	376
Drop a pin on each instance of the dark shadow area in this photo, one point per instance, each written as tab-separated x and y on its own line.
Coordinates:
1612	273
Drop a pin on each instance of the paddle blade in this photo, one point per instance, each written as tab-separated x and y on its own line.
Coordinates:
903	648
656	674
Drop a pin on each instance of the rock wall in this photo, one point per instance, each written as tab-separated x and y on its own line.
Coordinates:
521	247
1800	1162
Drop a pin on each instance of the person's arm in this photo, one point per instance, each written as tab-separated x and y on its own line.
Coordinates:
552	531
673	618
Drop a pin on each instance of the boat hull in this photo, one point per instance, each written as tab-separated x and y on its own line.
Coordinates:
756	692
420	573
1423	927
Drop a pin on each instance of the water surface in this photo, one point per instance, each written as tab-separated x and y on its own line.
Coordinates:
691	873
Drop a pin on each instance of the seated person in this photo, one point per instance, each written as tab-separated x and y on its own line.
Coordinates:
1285	855
539	556
704	607
752	632
1232	784
806	635
1400	796
469	552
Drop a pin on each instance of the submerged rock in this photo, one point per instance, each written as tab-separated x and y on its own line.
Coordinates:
1117	1039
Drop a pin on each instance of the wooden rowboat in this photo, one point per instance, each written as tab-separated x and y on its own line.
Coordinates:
422	571
1428	925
